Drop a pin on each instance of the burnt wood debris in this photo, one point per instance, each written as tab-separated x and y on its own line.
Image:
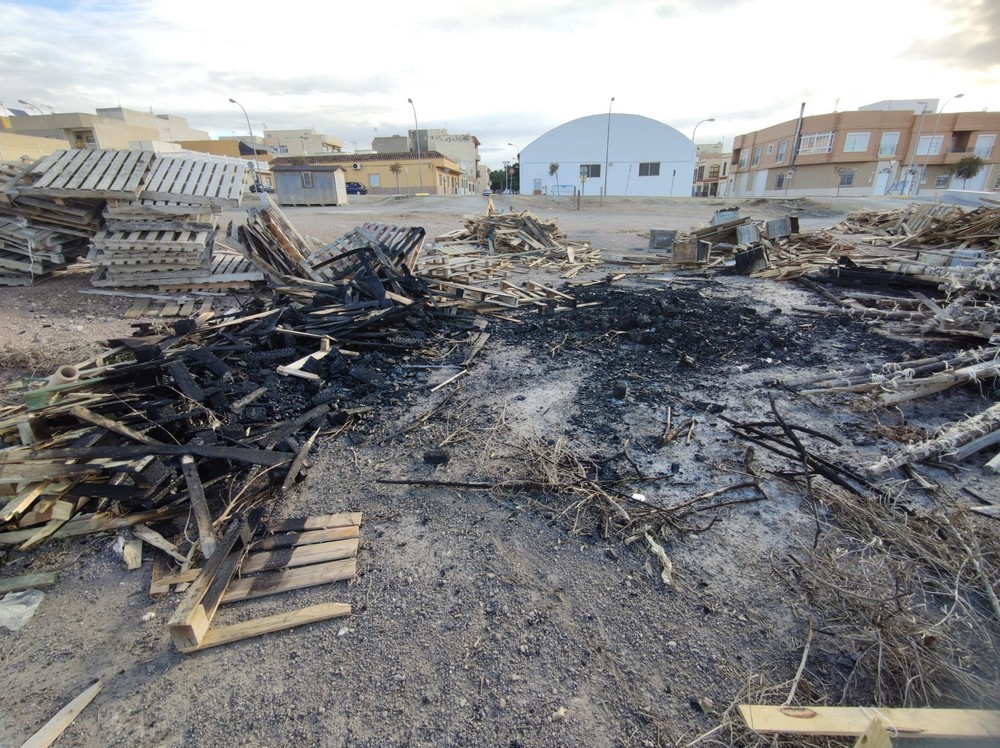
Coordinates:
214	414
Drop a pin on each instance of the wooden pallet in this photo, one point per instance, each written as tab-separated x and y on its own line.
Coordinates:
290	555
216	182
147	307
229	270
87	173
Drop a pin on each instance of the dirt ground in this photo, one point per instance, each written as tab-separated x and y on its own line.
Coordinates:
491	618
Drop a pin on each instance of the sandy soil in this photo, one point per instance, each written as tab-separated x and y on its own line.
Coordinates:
481	618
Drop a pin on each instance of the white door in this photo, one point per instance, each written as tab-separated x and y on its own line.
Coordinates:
760	182
882	181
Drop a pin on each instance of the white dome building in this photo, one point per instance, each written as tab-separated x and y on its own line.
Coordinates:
644	158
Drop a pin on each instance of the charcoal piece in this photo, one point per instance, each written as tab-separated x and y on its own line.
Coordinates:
254	414
436	457
184	326
312	366
147	353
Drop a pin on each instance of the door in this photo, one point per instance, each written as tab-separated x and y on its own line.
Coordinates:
882	181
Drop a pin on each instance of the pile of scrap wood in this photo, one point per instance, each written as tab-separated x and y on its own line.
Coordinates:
907	222
159	214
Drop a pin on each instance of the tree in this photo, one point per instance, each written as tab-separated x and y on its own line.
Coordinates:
554	171
968	168
396	168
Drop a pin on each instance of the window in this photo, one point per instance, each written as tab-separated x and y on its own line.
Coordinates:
929	145
756	155
591	171
374	180
846	177
281	149
650	169
817	142
887	146
779	180
701	173
713	171
942	180
984	145
723	168
770	148
307	179
744	158
782	150
857	142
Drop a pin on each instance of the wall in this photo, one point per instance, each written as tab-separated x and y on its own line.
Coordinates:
328	186
14	146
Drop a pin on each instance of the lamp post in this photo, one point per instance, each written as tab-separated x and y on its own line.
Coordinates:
693	134
28	103
607	149
416	136
518	161
916	145
937	121
256	176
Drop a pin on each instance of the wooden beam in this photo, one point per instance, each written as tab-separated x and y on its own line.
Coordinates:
27	581
273	582
299	556
853	721
199	505
247	629
89	416
62	719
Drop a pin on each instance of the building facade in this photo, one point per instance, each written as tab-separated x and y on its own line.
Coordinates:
620	154
311	184
461	148
302	142
110	128
711	174
392	173
892	150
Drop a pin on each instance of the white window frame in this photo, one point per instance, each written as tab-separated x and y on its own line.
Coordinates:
770	148
856	142
984	145
306	178
929	145
846	178
816	142
942	181
782	151
744	158
757	152
888	144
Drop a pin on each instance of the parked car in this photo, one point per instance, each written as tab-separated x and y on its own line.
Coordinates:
487	193
261	188
356	188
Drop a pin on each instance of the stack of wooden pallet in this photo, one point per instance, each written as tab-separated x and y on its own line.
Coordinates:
39	235
160	214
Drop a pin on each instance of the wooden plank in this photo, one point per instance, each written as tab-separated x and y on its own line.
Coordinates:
199	505
875	736
273	582
89	416
281	558
156	540
62	719
319	522
268	624
94	523
192	618
28	581
289	539
853	721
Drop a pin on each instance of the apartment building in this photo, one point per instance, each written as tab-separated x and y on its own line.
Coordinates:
301	142
113	127
461	148
711	172
392	173
887	148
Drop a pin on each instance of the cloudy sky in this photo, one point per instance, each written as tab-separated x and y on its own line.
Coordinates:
506	71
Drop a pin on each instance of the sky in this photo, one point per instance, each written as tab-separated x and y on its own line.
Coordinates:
506	71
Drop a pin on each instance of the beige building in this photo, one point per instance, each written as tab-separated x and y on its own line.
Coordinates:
878	150
463	149
711	173
302	142
15	148
393	173
109	128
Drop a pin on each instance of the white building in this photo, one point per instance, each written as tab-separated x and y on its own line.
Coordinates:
630	154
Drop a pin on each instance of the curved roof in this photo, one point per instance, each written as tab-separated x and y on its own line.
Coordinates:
630	137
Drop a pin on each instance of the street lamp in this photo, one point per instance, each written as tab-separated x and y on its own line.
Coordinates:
916	145
607	148
937	121
256	177
694	175
416	136
28	103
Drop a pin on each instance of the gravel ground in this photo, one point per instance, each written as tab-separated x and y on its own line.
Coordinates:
480	618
